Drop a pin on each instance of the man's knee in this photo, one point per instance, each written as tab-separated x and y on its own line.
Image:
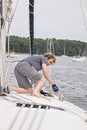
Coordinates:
41	82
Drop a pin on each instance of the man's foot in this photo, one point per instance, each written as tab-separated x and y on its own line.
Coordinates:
36	93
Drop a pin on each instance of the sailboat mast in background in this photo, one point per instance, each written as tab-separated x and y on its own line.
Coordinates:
50	46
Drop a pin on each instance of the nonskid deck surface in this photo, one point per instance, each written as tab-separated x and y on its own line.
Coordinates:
21	111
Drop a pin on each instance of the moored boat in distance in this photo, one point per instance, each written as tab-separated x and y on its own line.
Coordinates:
81	58
12	55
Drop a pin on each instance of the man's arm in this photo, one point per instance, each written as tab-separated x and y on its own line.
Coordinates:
46	74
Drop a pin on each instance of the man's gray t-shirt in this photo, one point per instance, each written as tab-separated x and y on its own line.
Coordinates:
36	61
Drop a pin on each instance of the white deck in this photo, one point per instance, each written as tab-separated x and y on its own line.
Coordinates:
45	113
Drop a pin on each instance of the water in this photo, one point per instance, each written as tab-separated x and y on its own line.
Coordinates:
70	76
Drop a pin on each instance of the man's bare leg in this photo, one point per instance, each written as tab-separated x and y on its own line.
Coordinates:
18	90
22	90
36	92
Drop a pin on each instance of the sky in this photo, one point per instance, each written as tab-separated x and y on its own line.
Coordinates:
60	19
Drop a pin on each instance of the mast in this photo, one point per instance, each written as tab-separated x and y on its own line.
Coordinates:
2	40
31	25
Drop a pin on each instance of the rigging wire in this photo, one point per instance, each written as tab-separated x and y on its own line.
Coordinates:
83	14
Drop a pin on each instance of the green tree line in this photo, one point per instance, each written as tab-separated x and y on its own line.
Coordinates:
66	47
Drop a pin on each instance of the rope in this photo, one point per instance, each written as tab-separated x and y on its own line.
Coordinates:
58	94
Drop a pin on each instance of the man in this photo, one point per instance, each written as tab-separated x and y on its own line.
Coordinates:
27	72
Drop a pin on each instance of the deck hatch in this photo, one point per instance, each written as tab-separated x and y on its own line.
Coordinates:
41	106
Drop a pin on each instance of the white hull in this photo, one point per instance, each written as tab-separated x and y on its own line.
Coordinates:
46	113
12	55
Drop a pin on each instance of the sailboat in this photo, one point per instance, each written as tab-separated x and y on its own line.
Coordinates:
79	58
26	112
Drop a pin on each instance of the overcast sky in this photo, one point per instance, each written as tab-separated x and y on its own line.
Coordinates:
60	19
